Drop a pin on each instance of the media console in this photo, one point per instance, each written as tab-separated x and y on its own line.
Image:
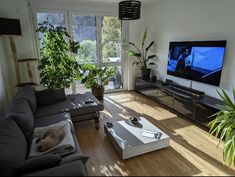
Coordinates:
191	103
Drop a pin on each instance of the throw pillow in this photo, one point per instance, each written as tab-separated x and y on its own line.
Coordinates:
39	163
59	94
45	97
29	94
21	112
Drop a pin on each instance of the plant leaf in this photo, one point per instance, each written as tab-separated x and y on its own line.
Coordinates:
152	63
135	54
144	37
151	57
135	63
149	46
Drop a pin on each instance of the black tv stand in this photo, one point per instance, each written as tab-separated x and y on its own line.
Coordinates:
186	90
193	104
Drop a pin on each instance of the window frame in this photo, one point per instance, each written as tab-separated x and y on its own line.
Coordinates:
35	23
68	24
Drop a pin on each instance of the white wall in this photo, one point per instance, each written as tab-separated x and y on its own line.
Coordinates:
186	20
136	31
13	9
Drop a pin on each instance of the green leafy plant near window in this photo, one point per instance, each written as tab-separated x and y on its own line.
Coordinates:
144	60
96	77
223	126
58	67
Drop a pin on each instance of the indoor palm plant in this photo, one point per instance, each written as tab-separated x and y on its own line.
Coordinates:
223	126
57	66
96	78
143	57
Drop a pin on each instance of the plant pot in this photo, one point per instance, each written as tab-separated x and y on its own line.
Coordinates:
146	74
98	92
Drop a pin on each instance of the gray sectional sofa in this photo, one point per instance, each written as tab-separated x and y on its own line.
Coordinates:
17	126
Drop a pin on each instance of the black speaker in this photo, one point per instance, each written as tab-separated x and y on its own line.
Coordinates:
10	26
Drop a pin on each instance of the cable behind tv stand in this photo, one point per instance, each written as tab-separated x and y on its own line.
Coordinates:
191	103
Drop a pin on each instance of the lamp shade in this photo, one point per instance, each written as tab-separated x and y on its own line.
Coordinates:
10	26
129	10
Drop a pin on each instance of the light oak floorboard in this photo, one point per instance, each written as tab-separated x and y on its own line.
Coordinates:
192	151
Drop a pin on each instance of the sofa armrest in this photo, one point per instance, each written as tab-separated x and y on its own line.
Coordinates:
75	157
69	169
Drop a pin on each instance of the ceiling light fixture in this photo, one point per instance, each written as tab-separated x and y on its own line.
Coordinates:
129	10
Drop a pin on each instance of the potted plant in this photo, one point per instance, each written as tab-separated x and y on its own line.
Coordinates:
96	78
143	57
223	126
58	67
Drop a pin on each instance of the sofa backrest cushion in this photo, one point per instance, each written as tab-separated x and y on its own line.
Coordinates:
21	112
29	94
45	97
59	94
13	146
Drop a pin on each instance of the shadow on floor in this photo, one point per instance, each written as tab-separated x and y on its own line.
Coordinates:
164	125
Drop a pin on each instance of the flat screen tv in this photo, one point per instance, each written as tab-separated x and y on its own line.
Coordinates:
200	61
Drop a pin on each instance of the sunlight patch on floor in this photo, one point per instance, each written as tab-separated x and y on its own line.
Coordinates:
110	169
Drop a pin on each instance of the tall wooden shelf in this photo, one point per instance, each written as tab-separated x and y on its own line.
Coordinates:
17	63
28	62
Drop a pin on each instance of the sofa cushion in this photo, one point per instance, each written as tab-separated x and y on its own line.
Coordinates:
13	146
59	94
74	104
21	112
38	163
53	119
82	108
29	94
45	97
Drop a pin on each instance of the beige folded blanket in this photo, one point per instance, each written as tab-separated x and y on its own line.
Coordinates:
66	146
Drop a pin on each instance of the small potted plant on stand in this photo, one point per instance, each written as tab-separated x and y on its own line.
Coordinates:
143	57
96	78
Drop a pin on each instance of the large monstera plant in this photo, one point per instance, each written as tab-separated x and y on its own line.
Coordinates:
58	67
144	59
223	126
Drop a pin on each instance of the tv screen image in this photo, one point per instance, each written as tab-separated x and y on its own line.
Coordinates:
200	61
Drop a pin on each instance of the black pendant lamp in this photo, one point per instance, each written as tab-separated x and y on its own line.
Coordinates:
129	10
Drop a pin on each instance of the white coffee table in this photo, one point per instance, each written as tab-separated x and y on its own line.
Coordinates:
129	141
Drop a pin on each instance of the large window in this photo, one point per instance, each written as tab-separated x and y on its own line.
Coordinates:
99	36
84	31
56	19
111	39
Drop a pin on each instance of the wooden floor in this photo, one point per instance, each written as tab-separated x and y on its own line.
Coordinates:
192	151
